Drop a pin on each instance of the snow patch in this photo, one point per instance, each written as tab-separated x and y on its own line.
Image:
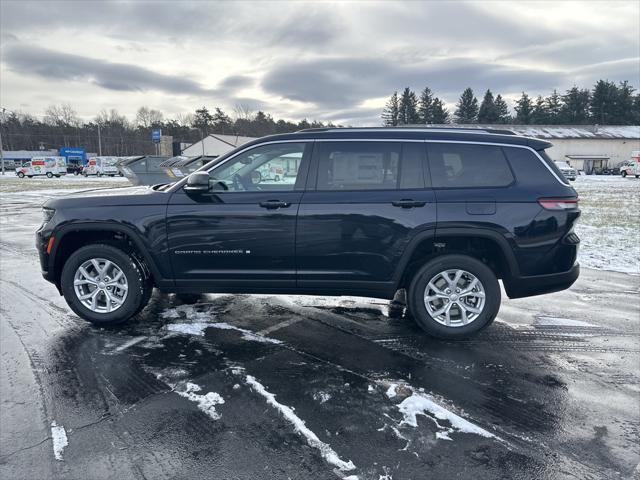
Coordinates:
321	397
312	439
59	437
189	328
198	328
391	391
207	403
423	404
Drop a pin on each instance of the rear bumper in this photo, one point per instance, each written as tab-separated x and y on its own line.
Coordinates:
519	287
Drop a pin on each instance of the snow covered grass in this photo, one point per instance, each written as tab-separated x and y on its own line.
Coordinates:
10	183
610	223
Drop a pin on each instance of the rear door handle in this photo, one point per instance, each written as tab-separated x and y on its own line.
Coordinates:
408	203
273	204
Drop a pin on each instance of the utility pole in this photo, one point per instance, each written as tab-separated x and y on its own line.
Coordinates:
99	142
1	153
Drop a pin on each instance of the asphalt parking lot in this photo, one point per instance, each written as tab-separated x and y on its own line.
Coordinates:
276	387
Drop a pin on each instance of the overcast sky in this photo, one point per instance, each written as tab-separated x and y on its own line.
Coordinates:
325	61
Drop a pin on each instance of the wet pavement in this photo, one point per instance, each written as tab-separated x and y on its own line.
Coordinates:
276	387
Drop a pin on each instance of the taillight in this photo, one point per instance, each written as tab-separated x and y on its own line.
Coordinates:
558	203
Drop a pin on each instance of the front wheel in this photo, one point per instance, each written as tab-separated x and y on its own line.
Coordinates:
624	174
49	175
104	285
20	175
454	296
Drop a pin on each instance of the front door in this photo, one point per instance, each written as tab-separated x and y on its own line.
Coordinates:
365	202
241	234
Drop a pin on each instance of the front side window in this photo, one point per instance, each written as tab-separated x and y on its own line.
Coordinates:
272	167
468	166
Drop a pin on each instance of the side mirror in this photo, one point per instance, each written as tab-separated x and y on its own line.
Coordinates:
198	182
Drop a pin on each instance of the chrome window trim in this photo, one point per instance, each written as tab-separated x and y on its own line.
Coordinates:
388	140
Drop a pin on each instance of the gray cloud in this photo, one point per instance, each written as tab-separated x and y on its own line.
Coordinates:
345	82
51	65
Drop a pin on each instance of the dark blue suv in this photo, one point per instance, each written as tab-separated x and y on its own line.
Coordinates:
441	213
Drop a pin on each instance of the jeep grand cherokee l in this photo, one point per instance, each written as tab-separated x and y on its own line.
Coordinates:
443	214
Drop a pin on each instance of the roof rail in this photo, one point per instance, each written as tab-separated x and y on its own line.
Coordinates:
423	128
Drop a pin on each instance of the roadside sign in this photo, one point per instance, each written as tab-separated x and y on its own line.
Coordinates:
156	133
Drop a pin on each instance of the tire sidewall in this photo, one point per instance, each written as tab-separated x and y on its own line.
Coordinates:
135	279
450	262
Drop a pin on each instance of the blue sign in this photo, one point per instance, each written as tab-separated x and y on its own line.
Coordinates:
73	154
156	133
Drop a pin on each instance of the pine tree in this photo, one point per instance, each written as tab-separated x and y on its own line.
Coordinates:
540	112
221	121
467	108
623	114
575	107
502	110
488	112
391	111
440	114
635	110
524	109
425	106
408	108
202	120
603	102
554	108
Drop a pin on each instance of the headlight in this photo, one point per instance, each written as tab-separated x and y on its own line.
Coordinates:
47	214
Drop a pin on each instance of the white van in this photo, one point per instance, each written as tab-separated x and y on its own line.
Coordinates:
631	167
47	166
101	166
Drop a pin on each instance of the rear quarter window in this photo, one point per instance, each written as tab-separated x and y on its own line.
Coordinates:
529	169
468	166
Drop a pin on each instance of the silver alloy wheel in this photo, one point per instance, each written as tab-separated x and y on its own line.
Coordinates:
454	298
100	285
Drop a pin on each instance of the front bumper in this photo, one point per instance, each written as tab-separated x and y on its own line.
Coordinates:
519	287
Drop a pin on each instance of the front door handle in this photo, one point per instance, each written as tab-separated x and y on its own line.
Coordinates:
408	203
273	204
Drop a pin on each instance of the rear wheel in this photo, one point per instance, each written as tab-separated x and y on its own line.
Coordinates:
104	285
454	296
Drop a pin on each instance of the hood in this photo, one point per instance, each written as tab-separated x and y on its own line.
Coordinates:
100	197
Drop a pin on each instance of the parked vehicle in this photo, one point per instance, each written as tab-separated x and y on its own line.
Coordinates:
101	166
631	167
39	166
74	168
566	169
443	214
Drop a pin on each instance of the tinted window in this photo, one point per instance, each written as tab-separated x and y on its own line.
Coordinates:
552	165
528	167
264	168
369	166
459	166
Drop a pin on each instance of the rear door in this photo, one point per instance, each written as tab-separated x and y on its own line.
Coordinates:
242	233
364	203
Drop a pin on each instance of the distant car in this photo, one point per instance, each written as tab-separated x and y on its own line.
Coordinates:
631	167
568	172
74	168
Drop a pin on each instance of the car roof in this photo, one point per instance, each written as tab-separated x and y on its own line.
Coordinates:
411	133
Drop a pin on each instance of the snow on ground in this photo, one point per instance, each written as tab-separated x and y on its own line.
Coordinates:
207	402
312	439
609	227
59	437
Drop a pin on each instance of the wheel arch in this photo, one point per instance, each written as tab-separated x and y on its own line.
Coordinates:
483	244
70	238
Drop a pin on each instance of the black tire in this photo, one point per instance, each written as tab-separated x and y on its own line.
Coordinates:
637	176
139	289
30	176
20	175
423	276
624	174
76	172
49	175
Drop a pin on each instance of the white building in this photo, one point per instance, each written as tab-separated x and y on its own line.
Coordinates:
584	147
214	145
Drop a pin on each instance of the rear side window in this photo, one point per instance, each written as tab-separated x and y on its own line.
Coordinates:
468	166
552	165
369	166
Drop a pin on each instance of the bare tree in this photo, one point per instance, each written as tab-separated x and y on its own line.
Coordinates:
61	116
185	119
242	111
148	117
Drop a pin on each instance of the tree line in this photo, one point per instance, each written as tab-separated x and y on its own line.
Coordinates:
114	134
607	103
